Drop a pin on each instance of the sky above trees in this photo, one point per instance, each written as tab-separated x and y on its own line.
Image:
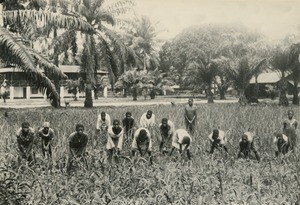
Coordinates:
274	18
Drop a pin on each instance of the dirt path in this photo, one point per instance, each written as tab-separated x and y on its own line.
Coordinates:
23	103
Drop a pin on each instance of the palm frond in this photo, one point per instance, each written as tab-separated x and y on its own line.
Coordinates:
104	16
123	51
120	7
60	20
43	62
13	51
40	80
110	55
259	67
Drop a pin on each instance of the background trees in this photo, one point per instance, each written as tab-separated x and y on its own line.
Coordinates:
203	55
294	64
201	58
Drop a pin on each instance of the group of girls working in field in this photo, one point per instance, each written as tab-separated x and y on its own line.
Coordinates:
141	137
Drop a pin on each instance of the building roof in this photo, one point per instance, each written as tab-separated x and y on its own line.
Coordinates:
271	77
64	69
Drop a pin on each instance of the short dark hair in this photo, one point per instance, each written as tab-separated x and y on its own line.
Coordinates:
149	112
215	134
25	124
216	131
142	135
128	113
186	140
279	135
164	120
79	126
102	113
116	121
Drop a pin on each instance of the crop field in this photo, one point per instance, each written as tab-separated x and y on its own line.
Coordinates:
169	180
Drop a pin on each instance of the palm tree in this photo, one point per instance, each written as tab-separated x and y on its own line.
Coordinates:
133	80
240	73
203	73
96	15
15	52
157	81
141	36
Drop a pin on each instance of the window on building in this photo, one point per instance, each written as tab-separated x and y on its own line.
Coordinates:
34	91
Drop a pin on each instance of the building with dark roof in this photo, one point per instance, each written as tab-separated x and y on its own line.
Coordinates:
20	87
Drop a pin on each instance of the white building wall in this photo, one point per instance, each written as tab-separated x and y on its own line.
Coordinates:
18	93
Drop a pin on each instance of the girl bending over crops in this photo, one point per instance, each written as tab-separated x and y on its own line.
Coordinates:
128	125
115	140
181	140
218	140
166	128
25	139
142	143
77	144
46	134
281	142
246	145
103	123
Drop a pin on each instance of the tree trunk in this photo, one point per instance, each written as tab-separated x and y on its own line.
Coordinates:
210	95
254	95
152	94
222	93
125	91
96	92
282	86
88	102
242	97
1	15
134	93
56	81
295	93
283	100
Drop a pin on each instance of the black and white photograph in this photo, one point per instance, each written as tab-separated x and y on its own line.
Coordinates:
149	102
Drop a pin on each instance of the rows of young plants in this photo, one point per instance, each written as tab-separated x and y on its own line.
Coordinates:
170	180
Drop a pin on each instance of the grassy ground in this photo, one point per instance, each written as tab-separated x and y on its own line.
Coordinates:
170	180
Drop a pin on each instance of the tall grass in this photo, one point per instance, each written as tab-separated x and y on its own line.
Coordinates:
170	180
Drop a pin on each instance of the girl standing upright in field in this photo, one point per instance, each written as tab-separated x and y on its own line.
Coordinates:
190	116
290	122
290	126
